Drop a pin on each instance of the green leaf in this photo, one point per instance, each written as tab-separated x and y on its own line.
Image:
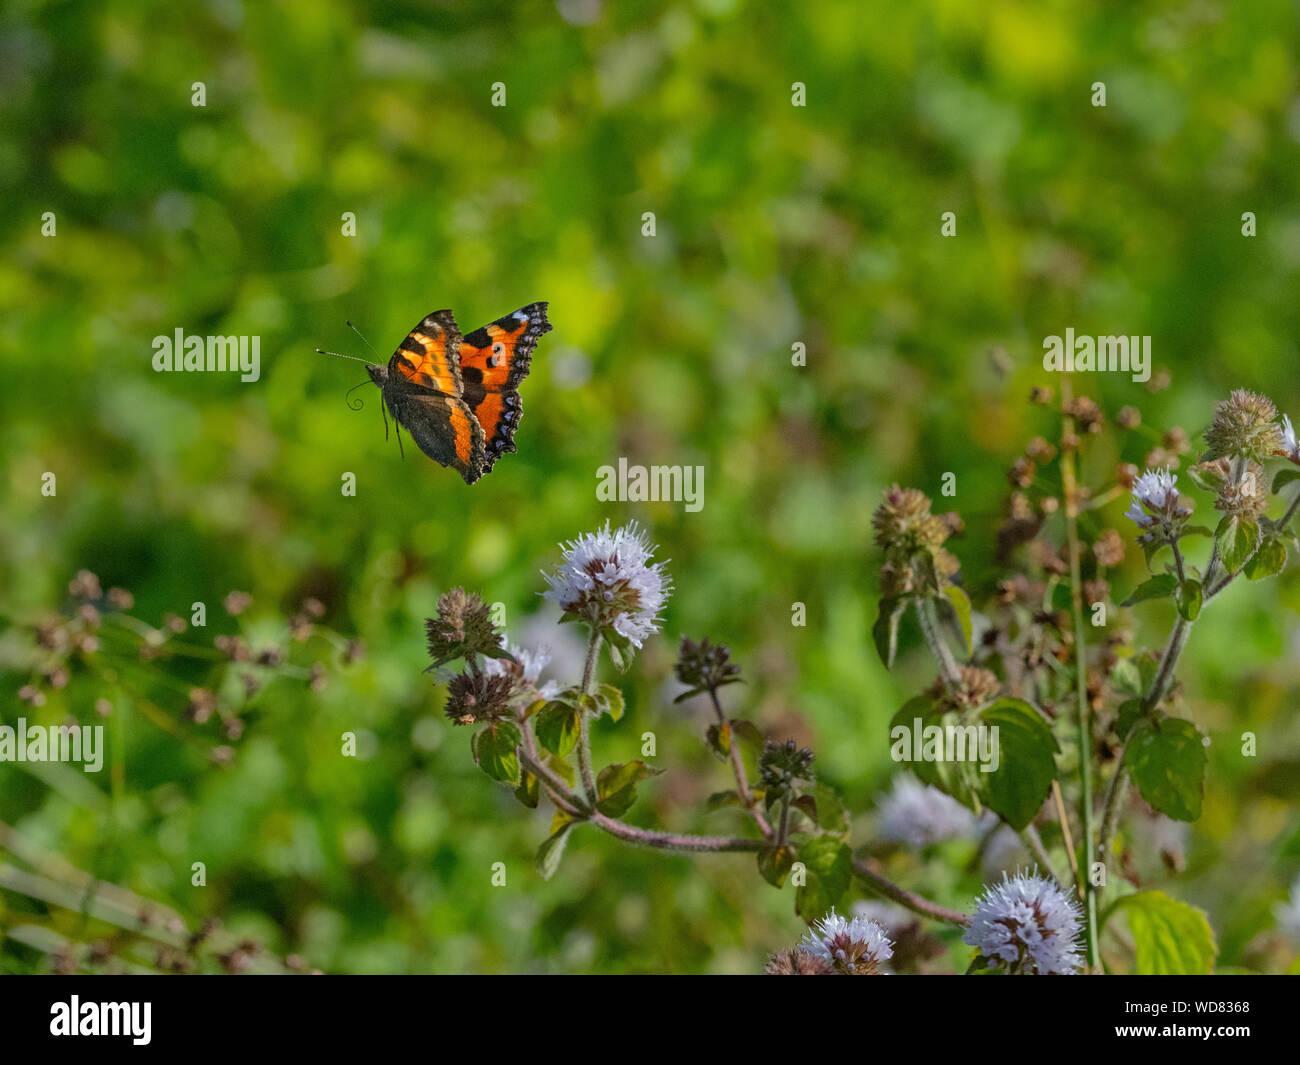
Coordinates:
529	790
1157	587
885	630
1268	561
621	651
949	777
774	863
749	735
1130	712
1283	478
829	866
1188	599
718	737
616	786
1236	539
1170	938
961	607
832	818
1026	761
495	749
550	852
1126	677
610	701
1167	761
558	727
720	799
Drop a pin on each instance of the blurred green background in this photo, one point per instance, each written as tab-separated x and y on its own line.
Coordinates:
775	225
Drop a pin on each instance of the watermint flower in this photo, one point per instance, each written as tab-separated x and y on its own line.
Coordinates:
1157	507
607	580
918	815
1030	924
524	667
1290	444
850	946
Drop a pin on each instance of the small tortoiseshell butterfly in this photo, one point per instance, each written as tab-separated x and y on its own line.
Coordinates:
458	396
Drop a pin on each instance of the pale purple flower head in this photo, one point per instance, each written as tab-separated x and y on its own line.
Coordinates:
527	667
1157	507
1290	444
852	946
607	580
1028	922
918	814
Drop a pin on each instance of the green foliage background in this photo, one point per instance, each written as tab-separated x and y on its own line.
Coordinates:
775	225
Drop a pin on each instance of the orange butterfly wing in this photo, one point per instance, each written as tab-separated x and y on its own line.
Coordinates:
493	361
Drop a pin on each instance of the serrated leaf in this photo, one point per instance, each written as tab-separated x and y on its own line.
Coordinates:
1026	761
960	602
1167	762
1236	538
885	630
496	750
952	778
1157	587
1170	938
1268	561
616	786
829	865
1187	598
774	864
550	852
558	727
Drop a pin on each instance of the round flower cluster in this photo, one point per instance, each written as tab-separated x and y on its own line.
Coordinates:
607	580
1028	923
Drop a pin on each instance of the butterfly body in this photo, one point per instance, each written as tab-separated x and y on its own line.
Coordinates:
458	396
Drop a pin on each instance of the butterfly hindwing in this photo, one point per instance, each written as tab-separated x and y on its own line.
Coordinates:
493	361
442	426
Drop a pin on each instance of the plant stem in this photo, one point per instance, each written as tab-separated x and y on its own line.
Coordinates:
1160	683
738	769
672	841
1084	713
915	903
929	619
584	723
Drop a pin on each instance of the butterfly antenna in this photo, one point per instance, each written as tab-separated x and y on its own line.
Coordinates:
348	396
363	339
337	355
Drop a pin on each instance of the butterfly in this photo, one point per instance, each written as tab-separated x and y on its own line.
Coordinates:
458	396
